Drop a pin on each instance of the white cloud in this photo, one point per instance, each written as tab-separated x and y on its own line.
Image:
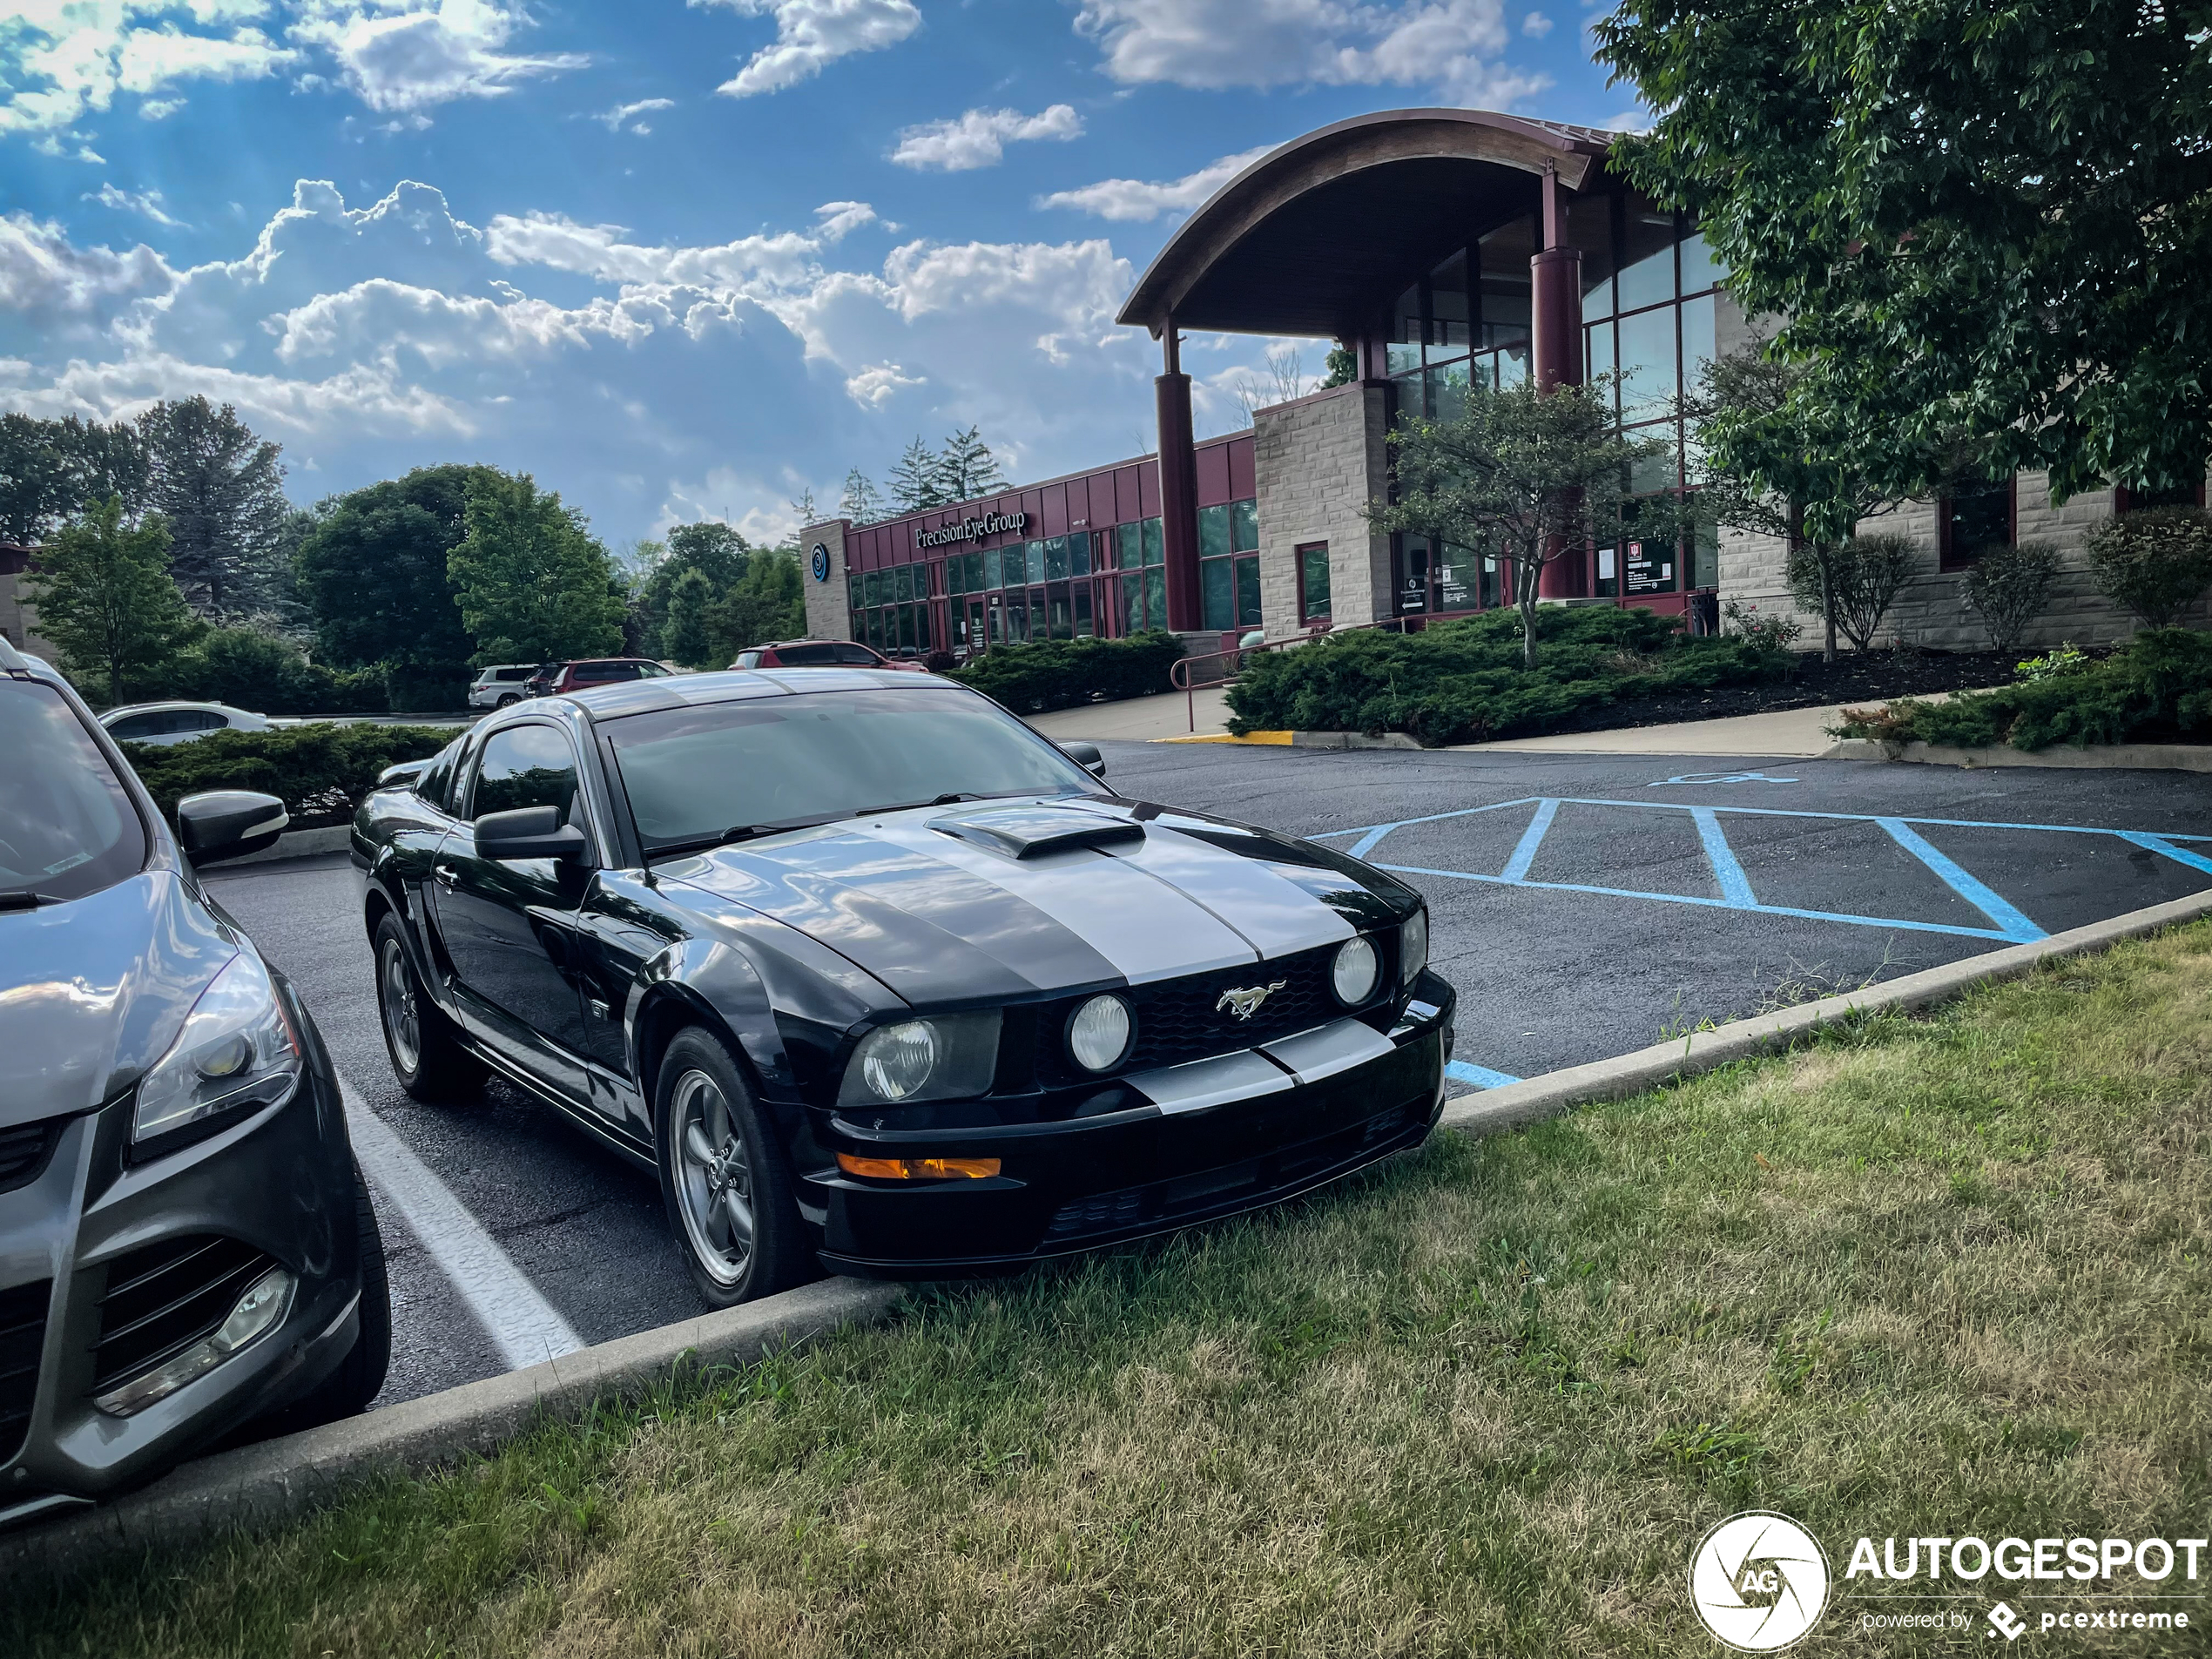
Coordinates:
147	202
151	59
1535	25
978	138
624	117
878	383
423	54
812	34
834	221
46	279
1134	199
1450	45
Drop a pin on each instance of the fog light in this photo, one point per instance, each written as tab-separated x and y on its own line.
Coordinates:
1357	968
918	1169
257	1313
1098	1034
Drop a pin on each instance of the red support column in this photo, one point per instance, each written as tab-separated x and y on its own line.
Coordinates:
1555	354
1178	488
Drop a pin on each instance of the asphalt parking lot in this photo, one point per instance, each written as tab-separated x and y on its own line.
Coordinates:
1583	906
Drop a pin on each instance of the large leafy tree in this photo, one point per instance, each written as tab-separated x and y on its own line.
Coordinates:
222	491
712	551
51	471
1988	226
769	605
533	582
105	598
1525	475
373	573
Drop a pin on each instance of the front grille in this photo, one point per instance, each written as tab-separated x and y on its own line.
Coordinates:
23	1335
1182	1019
23	1152
164	1298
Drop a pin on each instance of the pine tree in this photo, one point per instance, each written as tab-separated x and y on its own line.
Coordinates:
860	502
687	637
915	482
968	468
222	491
105	596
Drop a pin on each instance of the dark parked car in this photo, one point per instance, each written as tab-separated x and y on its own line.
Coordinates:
556	677
872	976
819	653
185	1243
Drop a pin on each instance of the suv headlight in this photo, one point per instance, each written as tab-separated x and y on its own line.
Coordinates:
946	1056
237	1052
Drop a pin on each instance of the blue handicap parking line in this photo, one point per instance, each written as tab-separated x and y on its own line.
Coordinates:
2009	923
1482	1076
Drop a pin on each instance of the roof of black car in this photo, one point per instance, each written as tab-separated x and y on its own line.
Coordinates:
692	691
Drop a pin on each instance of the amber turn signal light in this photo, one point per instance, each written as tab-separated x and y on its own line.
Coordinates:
918	1169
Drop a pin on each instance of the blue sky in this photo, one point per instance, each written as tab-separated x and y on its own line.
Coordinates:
677	260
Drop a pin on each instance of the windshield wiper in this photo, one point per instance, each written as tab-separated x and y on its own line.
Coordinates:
951	798
25	899
736	833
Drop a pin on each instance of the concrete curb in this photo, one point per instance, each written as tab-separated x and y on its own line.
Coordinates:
1306	739
282	1478
296	844
2139	756
1555	1092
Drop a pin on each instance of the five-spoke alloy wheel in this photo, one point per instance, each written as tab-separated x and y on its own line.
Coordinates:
724	1178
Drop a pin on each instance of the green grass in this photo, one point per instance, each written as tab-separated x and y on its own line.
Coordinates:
1938	1277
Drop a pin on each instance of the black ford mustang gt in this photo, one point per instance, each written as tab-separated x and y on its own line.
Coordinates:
872	974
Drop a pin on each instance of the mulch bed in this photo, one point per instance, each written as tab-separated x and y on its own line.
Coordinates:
1853	677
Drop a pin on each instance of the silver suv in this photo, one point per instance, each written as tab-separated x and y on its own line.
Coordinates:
496	687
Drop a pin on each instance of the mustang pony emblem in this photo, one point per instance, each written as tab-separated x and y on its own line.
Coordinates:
1245	1004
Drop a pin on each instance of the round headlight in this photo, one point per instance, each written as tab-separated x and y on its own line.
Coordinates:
1098	1034
1355	969
896	1060
1413	945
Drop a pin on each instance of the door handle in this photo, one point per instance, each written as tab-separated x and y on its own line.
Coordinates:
443	874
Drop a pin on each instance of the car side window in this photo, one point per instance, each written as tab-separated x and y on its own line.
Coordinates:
651	671
181	720
134	728
859	655
525	765
623	671
807	656
207	720
748	659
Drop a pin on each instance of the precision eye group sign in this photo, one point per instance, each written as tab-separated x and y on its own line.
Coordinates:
972	529
1760	1582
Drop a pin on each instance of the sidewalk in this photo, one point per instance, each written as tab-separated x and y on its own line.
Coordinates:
1797	733
1138	719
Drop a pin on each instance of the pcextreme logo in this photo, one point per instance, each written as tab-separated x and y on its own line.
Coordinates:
1758	1582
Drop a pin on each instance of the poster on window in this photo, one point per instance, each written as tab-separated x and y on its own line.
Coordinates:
1651	568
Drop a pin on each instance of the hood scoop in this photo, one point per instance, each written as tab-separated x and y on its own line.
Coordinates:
1031	832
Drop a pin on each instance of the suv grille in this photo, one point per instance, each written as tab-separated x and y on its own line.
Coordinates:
23	1152
22	1337
166	1297
1180	1019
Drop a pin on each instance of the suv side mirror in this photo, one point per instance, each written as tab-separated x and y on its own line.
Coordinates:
1086	755
219	824
528	833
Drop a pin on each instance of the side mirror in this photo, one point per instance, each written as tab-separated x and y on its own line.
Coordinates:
219	824
1086	755
528	833
406	772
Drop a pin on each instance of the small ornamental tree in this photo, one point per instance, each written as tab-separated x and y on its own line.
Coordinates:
104	597
534	585
2007	587
1857	580
1525	475
2157	563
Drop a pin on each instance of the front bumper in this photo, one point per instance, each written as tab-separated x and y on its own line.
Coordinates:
1144	1156
280	1182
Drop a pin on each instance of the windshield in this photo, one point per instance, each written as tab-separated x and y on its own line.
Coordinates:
694	775
67	827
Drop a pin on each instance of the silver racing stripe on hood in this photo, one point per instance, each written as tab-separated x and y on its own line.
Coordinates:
1148	929
1274	912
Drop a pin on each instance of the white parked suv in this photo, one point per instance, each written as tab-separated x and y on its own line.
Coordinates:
496	687
168	723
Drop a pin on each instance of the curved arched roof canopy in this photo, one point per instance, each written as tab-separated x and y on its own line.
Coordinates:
1305	240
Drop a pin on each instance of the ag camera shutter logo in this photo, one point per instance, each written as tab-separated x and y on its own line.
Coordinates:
1759	1582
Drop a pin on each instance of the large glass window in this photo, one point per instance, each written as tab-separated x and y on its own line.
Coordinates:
1216	594
1589	227
1243	526
1056	558
1451	309
1700	270
1647	253
1313	582
1156	596
1213	531
1132	538
1976	517
1647	344
1079	553
1155	545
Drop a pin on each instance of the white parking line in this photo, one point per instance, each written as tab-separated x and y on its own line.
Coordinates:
523	1325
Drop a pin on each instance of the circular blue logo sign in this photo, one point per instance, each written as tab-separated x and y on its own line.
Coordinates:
821	562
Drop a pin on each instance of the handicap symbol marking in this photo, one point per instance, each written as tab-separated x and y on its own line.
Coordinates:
1720	778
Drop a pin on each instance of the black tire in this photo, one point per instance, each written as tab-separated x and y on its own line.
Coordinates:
432	1066
506	700
697	1176
359	1376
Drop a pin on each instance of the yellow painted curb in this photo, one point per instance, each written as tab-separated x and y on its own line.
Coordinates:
1278	739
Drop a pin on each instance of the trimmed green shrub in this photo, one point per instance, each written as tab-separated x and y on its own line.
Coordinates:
1061	673
1865	575
2157	563
2158	688
2009	586
1463	682
258	671
320	772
